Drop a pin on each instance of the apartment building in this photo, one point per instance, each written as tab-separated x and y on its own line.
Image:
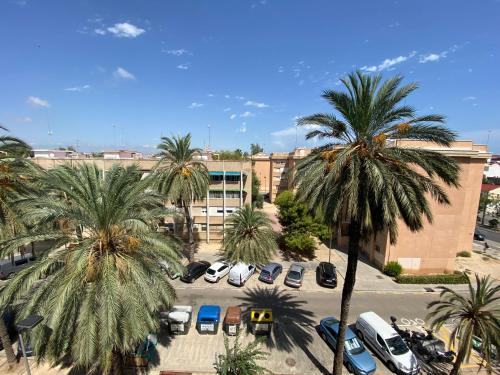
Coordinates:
230	188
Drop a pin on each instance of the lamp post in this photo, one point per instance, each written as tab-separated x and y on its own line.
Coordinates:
27	324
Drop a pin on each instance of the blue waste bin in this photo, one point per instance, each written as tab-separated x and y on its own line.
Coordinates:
208	319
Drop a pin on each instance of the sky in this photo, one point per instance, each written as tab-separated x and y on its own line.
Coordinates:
123	73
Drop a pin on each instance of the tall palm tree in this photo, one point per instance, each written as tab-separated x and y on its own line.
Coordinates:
15	172
181	178
99	286
475	314
249	237
363	176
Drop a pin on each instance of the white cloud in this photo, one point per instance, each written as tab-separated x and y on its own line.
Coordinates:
247	114
293	130
210	95
387	63
183	66
125	30
100	31
177	52
256	104
281	69
240	97
37	102
121	73
432	57
469	98
227	109
24	119
227	96
233	116
243	128
195	105
77	88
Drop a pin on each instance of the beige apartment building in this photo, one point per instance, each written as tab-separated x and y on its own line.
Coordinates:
229	189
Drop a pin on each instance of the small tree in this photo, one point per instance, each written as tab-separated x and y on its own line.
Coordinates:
257	198
493	223
255	148
240	360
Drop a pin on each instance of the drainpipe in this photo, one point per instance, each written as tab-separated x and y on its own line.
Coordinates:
208	215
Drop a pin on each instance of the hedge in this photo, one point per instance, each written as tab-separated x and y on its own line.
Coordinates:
453	278
465	254
393	269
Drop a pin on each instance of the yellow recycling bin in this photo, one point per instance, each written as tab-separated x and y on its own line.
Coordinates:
261	321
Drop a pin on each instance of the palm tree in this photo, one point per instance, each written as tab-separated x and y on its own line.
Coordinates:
249	237
240	361
475	314
181	178
14	177
99	286
362	176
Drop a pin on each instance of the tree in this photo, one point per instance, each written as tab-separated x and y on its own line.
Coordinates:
484	201
15	178
257	198
240	360
255	148
230	155
181	178
98	286
249	237
476	314
363	176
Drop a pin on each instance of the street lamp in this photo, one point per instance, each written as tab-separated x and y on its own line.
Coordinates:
30	322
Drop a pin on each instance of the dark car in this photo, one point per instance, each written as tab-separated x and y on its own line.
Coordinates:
195	270
326	275
478	236
270	272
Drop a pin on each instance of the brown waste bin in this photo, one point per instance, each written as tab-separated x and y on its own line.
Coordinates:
232	321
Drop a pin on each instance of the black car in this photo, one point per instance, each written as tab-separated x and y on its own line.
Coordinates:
326	275
478	236
195	270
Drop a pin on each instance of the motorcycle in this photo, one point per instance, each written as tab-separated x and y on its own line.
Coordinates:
430	347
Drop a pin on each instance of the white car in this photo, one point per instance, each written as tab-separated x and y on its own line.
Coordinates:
217	271
240	273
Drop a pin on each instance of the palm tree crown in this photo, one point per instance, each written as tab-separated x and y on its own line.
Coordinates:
475	314
99	286
249	237
363	176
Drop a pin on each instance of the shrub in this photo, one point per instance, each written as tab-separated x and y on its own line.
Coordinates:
393	269
493	223
299	242
454	278
465	254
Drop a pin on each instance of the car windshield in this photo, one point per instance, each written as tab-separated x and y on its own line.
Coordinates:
294	275
264	273
396	345
211	271
354	346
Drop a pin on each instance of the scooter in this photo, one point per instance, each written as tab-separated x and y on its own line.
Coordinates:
431	347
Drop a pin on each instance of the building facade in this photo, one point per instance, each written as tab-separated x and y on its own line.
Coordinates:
230	188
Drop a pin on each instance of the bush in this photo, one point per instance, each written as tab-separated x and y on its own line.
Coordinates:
454	278
465	254
493	223
259	201
393	269
300	243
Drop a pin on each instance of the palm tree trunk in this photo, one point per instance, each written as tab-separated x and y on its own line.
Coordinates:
7	344
458	362
189	223
350	279
118	365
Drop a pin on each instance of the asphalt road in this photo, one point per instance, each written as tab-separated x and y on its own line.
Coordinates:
310	307
490	235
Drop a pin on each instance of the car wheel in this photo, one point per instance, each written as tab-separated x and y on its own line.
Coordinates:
217	280
349	368
391	367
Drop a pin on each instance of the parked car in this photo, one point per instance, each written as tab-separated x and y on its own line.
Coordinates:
478	236
194	270
169	270
326	275
295	275
9	268
217	271
240	273
387	344
270	272
356	357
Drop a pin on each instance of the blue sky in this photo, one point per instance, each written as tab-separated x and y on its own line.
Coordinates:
109	74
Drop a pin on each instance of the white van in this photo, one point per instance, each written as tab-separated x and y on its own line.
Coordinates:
387	344
240	273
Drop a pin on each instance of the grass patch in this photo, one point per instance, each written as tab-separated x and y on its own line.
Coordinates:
452	278
464	254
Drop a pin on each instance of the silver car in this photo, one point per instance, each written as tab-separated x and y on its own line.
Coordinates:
295	275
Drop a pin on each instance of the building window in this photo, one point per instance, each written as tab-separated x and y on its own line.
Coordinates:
216	194
232	178
216	178
232	194
204	210
220	210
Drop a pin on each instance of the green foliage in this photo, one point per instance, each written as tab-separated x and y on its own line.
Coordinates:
476	313
452	278
299	243
493	222
257	197
97	154
239	360
255	148
249	237
98	286
231	155
393	269
464	254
